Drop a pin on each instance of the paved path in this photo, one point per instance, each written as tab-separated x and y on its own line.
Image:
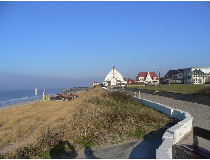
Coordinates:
200	113
133	150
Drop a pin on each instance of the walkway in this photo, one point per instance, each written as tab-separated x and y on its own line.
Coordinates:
200	113
133	150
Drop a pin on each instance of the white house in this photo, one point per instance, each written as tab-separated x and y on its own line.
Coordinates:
114	78
148	78
196	75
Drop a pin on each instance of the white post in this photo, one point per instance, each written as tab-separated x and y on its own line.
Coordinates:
139	95
35	91
43	95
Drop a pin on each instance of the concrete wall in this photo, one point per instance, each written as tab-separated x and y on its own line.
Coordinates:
173	134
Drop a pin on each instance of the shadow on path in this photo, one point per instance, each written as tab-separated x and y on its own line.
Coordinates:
89	153
63	150
147	148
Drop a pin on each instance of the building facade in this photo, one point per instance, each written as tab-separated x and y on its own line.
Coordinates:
196	75
114	78
174	77
149	78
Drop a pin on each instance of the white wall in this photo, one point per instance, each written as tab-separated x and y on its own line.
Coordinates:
175	133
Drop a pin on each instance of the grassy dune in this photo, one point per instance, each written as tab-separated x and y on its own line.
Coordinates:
97	117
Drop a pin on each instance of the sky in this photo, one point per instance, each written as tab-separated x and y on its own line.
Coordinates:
66	44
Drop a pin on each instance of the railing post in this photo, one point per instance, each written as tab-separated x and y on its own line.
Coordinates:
139	94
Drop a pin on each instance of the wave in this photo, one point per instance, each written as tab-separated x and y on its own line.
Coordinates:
13	97
19	100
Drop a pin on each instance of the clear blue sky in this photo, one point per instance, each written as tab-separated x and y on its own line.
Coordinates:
62	44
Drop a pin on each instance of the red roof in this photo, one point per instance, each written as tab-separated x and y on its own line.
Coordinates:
153	74
144	74
130	81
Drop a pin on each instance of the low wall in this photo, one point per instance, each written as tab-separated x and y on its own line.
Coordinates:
173	134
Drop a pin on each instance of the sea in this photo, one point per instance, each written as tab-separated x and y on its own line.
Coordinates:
9	97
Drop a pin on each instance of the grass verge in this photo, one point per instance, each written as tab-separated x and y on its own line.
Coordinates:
176	88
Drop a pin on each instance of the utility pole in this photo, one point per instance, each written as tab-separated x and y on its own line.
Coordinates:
159	78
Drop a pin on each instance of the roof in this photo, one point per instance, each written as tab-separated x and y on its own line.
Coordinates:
172	73
144	74
114	74
203	69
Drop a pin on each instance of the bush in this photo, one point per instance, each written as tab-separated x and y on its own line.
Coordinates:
119	97
205	91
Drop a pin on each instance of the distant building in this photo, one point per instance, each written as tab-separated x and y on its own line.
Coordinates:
208	79
150	78
174	76
130	81
114	78
94	84
196	75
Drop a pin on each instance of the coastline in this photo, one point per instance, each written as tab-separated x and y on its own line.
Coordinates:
21	104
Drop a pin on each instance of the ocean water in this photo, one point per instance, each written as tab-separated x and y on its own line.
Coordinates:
9	97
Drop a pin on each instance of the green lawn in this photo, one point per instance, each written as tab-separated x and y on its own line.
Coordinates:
177	88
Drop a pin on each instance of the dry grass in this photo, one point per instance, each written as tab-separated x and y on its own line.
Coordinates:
96	117
205	91
176	88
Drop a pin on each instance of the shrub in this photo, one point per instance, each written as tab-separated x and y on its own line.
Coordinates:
119	97
205	91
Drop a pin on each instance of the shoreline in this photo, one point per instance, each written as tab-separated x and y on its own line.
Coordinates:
21	104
